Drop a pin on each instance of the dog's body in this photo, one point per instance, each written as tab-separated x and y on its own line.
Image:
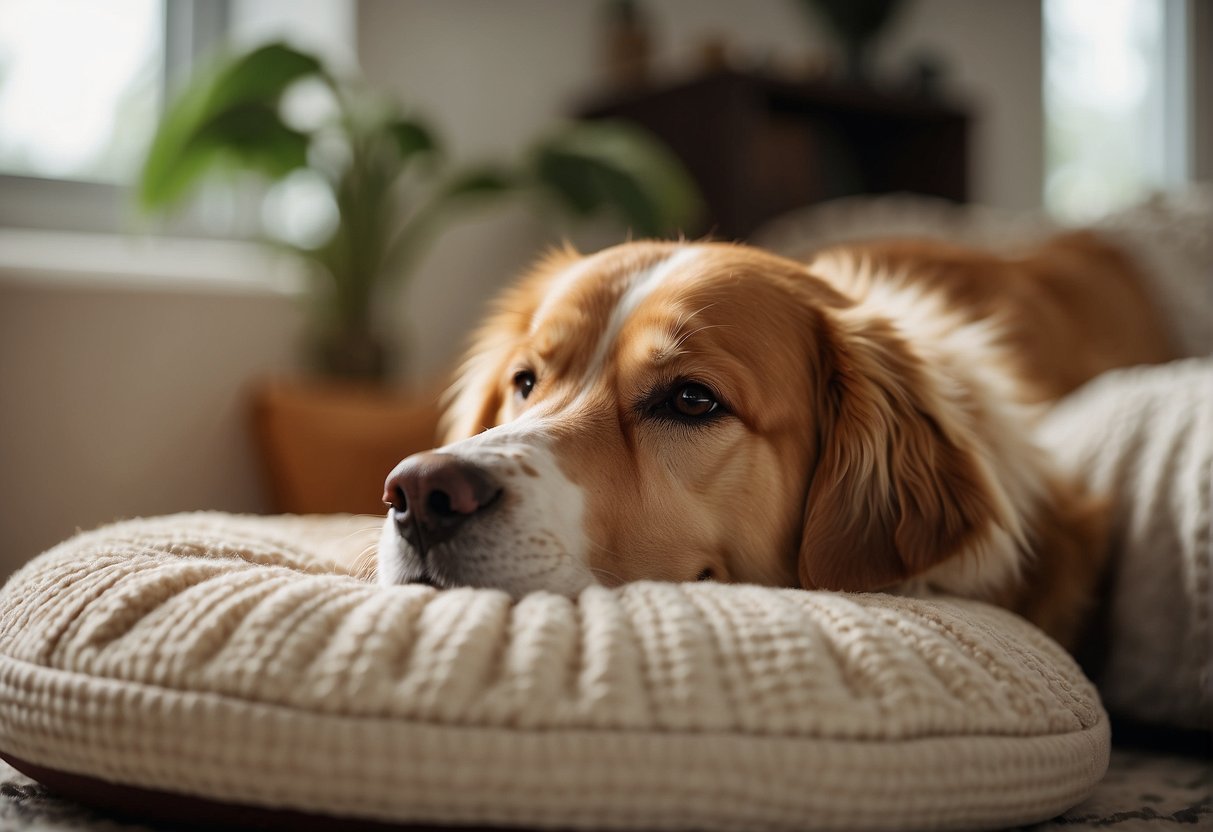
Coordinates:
679	411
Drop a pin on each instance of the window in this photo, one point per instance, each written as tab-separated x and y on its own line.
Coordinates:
1117	106
83	83
79	101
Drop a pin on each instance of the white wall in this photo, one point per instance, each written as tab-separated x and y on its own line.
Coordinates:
993	49
492	74
119	399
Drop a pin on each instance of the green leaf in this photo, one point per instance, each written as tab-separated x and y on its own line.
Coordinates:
478	182
412	138
184	147
595	166
252	136
261	75
587	185
255	136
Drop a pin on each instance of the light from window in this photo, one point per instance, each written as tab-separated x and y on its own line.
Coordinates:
1107	115
80	86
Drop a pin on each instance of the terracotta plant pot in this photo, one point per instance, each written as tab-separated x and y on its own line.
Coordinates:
327	446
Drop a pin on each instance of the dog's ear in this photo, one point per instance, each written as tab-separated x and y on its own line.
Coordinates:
473	402
899	485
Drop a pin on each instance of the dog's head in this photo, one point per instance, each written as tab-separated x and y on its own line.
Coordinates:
681	412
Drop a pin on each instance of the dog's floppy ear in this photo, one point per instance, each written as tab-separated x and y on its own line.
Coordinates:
473	402
899	485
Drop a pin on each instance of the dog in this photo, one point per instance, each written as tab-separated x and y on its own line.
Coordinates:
682	411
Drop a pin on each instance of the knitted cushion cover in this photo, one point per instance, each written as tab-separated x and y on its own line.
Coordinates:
232	658
1144	438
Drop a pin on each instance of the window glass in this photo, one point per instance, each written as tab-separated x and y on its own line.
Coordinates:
1106	99
81	84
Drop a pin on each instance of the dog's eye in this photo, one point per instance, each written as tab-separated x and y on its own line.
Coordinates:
694	401
524	382
686	402
706	575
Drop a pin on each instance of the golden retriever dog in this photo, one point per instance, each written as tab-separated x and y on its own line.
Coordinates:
707	411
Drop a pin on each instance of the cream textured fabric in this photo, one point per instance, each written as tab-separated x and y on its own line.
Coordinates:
219	656
1144	438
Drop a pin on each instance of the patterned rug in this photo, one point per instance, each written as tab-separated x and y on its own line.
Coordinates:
1143	790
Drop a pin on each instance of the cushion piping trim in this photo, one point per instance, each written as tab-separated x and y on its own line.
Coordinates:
215	746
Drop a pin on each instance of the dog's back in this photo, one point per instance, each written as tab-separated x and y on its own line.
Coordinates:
1069	309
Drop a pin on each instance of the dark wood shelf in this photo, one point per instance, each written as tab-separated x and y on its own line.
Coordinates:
759	145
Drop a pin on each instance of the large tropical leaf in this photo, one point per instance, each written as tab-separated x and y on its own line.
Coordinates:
210	110
613	166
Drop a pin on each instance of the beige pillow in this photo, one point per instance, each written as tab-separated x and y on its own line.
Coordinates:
226	658
1144	438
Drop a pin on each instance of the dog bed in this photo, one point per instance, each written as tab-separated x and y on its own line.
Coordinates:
194	663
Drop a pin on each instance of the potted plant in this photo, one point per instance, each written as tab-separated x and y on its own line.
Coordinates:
391	189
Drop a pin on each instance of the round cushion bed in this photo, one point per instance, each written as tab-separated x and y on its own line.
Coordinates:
202	663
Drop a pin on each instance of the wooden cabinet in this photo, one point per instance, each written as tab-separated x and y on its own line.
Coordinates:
759	146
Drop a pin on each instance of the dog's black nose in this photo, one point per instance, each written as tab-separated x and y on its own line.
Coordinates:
431	495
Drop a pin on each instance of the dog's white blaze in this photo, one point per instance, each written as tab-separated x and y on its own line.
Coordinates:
642	286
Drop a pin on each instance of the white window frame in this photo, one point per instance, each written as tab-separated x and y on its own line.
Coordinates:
1177	104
